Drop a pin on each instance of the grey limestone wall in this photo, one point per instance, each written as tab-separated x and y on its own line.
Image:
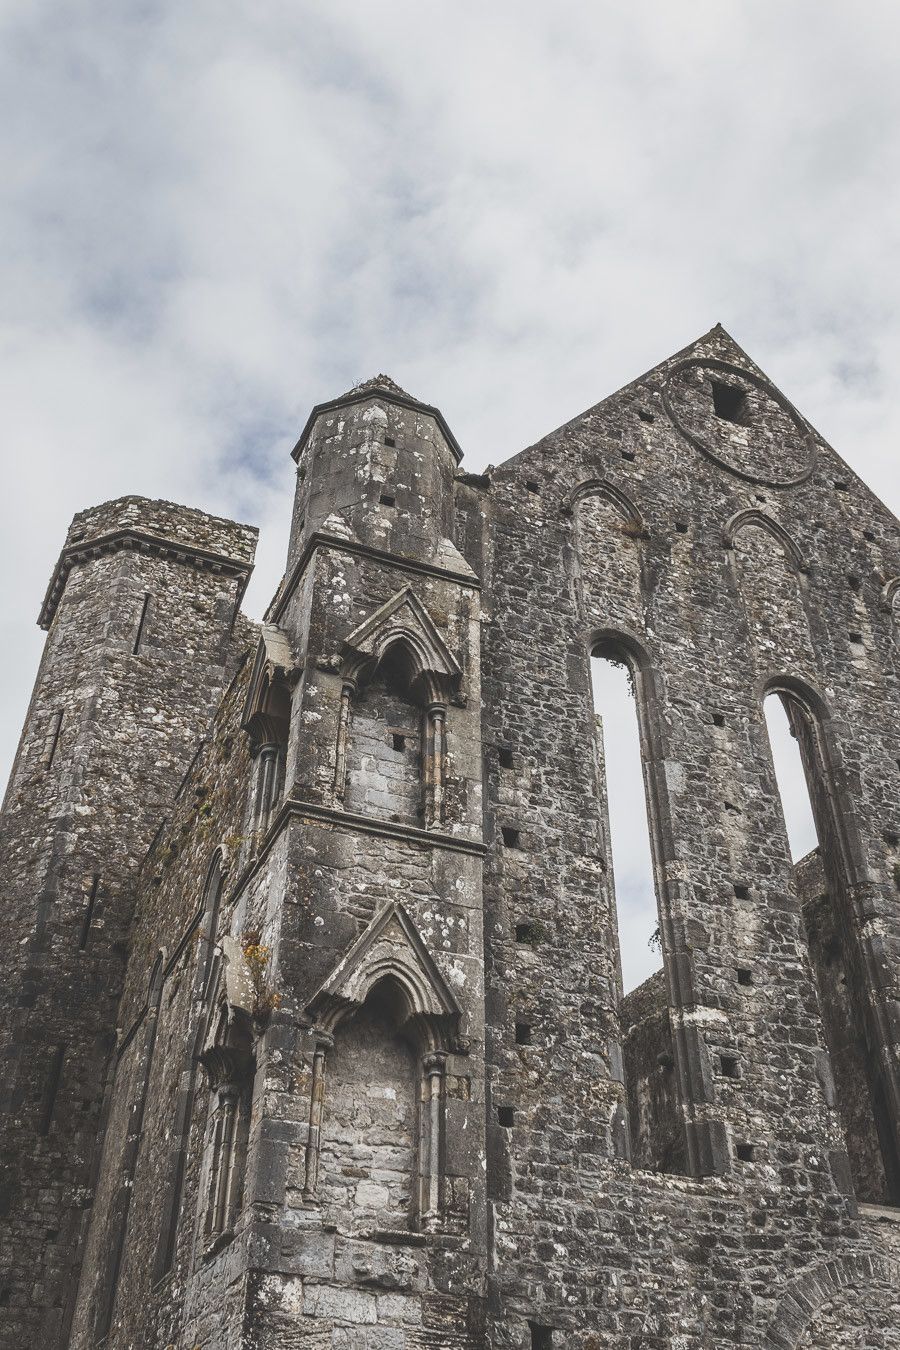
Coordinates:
629	530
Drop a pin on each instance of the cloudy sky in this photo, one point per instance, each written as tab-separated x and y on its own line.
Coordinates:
215	214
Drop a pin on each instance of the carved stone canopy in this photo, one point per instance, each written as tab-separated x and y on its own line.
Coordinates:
267	707
391	949
227	1055
227	1052
405	622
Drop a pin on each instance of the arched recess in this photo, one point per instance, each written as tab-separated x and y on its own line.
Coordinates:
769	574
397	679
860	1281
838	908
384	1023
601	487
703	1151
608	535
758	519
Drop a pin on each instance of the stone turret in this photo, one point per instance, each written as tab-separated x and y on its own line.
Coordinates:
380	462
140	617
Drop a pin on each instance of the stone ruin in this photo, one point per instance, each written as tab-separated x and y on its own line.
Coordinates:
314	1035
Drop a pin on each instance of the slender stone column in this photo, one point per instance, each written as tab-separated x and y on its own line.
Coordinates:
434	765
432	1105
343	740
324	1042
268	773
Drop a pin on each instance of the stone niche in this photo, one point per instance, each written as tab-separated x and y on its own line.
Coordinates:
368	1160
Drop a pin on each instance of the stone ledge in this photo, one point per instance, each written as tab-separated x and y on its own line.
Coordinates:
374	825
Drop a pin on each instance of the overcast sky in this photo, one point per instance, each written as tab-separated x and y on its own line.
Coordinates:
215	214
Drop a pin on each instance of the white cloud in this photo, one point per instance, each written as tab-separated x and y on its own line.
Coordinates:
217	214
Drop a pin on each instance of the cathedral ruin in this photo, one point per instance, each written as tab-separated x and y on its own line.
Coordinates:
314	1035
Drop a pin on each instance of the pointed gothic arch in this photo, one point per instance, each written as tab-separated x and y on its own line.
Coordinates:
754	518
399	647
601	487
852	900
389	964
705	1146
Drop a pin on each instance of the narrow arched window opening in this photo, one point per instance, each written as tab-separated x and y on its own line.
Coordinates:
654	1120
808	800
628	846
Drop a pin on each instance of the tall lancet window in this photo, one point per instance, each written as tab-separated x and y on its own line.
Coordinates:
822	851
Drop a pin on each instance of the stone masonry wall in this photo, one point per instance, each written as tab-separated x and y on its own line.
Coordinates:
588	1246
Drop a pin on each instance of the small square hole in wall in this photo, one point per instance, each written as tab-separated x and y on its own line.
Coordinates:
398	740
730	403
511	838
527	933
718	719
532	486
841	486
730	1066
387	500
389	440
853	582
870	535
855	638
541	1336
627	454
681	526
744	976
523	1033
745	1152
505	1116
645	415
505	757
741	892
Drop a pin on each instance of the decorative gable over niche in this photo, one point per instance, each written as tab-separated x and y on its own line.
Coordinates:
390	949
403	620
